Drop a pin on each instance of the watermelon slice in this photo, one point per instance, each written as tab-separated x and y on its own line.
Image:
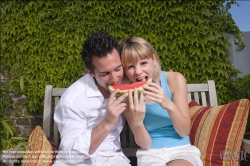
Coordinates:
125	87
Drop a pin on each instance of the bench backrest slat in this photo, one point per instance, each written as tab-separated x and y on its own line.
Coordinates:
206	93
203	94
47	112
56	133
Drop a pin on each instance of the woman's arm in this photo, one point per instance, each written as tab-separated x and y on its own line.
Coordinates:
178	110
135	114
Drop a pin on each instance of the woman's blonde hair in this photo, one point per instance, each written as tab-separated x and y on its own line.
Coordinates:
135	48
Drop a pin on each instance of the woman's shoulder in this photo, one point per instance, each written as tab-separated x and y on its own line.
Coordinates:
175	80
174	76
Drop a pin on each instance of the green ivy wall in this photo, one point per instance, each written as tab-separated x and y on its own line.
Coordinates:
41	41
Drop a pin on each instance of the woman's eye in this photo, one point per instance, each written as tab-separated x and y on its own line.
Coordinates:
144	63
130	67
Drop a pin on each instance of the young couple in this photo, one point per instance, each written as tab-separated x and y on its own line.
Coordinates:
90	119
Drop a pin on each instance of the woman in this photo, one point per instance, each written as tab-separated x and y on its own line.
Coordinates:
159	118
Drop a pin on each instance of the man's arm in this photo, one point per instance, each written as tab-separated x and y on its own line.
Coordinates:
114	110
75	136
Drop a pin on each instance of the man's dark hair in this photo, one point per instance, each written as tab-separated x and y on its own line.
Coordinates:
99	45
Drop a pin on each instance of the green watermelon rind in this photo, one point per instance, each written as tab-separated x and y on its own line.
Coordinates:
121	92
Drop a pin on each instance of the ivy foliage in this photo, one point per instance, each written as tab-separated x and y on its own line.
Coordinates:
240	90
9	138
240	87
41	40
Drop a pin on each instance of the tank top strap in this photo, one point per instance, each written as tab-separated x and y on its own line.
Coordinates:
164	84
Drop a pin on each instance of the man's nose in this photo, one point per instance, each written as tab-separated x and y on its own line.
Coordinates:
112	77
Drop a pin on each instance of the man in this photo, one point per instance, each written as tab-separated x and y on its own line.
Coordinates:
87	115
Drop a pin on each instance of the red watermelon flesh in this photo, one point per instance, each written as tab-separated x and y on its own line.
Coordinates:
125	87
128	86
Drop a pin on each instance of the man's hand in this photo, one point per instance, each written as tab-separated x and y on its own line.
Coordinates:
115	108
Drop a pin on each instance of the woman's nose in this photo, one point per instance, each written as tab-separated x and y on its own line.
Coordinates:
138	70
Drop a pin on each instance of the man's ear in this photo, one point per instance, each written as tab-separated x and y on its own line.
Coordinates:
90	72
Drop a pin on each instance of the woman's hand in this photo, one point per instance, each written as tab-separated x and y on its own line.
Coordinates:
137	108
155	93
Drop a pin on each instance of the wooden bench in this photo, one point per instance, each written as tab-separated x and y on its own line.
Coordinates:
204	94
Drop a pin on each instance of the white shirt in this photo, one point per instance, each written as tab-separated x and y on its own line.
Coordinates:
80	109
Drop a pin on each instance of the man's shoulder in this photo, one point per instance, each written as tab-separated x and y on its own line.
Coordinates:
80	83
76	89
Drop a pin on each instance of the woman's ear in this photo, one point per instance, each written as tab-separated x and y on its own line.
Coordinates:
154	59
90	72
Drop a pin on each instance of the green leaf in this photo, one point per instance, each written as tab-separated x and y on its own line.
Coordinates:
22	83
18	138
8	127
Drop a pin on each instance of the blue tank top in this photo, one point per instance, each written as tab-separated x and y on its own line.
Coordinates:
159	125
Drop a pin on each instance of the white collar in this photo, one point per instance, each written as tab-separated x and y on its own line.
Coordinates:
91	88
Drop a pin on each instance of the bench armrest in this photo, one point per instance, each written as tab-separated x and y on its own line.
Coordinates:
246	145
